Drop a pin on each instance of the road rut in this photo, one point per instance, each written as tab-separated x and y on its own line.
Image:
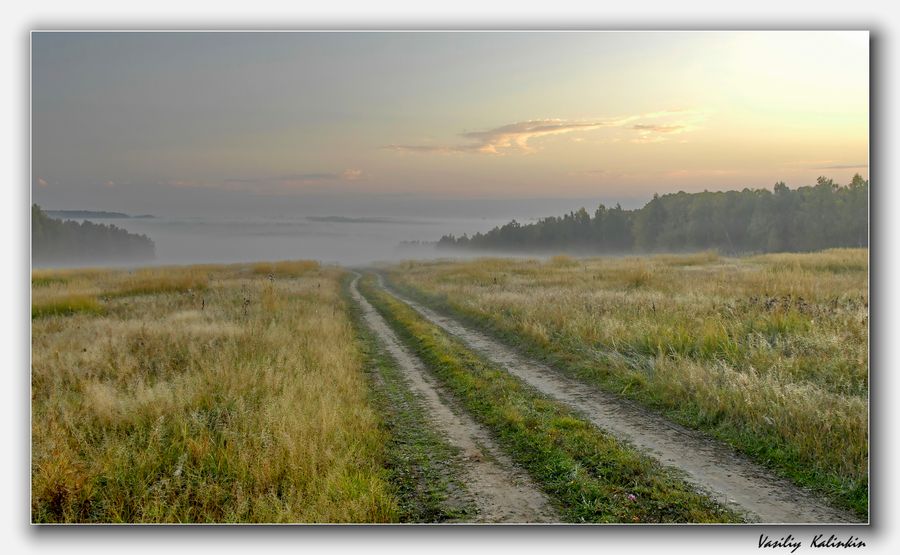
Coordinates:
711	466
502	492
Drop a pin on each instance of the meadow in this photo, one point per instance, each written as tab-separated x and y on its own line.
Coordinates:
257	393
202	394
768	353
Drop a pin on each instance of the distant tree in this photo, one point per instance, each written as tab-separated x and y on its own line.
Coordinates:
648	223
856	211
68	242
751	220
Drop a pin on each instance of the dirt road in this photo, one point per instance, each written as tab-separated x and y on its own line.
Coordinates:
710	465
502	491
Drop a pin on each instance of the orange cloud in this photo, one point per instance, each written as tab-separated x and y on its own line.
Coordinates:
516	137
653	133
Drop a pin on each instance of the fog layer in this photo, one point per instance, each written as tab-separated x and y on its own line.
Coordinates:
330	240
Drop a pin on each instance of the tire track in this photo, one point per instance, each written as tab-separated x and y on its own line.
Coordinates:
502	492
711	466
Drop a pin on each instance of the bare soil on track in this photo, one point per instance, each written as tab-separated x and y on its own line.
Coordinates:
502	492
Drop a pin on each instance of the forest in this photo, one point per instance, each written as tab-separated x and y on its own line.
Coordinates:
809	218
56	241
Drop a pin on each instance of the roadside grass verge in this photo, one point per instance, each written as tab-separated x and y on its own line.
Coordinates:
592	476
163	410
768	353
423	469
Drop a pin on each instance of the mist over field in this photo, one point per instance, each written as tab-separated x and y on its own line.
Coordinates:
351	242
345	233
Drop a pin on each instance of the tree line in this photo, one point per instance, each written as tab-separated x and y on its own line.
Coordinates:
824	215
56	241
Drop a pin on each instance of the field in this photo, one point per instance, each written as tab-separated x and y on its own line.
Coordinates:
294	392
768	353
201	394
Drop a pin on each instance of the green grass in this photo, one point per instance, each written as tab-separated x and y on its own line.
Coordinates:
66	306
592	476
423	469
45	281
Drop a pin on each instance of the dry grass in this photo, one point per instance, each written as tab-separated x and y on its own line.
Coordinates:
693	259
286	268
151	281
243	402
769	351
562	260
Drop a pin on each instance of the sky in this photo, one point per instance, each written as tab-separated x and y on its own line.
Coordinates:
193	123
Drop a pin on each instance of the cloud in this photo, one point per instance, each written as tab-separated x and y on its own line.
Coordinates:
427	149
598	175
589	173
351	174
508	138
659	128
843	167
657	133
699	173
302	177
517	137
274	183
647	139
41	182
186	183
819	165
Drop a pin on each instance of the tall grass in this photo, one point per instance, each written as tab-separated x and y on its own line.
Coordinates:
286	268
249	405
66	306
153	281
769	353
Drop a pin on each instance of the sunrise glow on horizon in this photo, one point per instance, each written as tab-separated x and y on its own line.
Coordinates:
119	116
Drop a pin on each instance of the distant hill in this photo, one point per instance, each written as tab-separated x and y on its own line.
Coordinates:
90	215
55	241
821	216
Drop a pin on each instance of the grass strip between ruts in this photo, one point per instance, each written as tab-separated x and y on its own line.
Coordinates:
592	476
